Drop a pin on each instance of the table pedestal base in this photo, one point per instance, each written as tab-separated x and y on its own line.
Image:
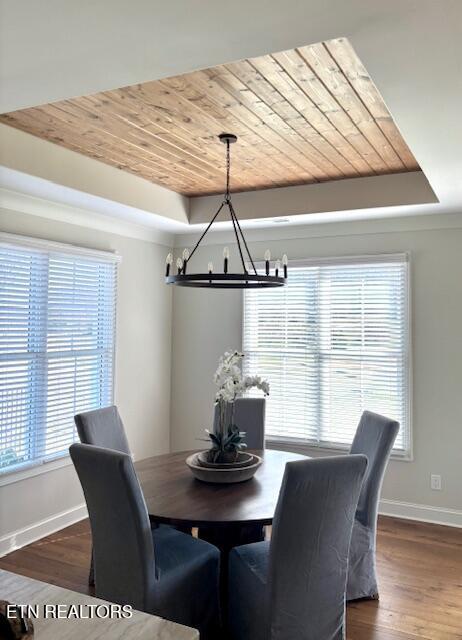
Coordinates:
225	537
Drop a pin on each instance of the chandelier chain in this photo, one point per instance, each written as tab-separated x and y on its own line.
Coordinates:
228	170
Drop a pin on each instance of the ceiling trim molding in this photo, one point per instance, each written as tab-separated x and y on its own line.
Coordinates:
395	223
392	222
13	201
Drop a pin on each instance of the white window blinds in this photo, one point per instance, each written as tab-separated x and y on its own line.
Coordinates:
57	322
332	343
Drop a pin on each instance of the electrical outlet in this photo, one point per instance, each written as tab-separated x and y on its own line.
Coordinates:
435	482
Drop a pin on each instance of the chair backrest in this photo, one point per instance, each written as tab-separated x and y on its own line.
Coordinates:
122	542
309	547
102	428
374	438
249	416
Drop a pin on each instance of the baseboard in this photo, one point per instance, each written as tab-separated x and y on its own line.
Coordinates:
420	512
406	510
22	537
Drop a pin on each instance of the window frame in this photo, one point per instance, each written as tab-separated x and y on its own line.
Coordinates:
33	467
306	447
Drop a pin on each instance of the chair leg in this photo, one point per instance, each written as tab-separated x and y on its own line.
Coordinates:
91	573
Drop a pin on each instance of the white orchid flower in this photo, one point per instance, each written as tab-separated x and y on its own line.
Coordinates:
230	381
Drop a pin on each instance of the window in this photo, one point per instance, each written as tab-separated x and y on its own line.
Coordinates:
57	322
332	343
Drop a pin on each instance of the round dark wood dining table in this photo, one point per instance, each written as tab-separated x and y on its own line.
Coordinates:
226	514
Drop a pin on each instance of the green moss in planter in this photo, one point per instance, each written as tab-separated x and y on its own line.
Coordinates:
226	447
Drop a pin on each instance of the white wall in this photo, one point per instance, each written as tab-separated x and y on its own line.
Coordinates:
206	322
142	374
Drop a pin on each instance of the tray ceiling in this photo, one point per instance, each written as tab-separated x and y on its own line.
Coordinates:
306	115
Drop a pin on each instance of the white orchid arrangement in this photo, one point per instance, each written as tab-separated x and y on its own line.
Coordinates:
228	440
231	382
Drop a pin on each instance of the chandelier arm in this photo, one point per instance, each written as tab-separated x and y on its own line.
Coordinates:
208	227
243	238
232	214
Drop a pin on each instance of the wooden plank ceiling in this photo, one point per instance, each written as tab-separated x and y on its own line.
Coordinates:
307	115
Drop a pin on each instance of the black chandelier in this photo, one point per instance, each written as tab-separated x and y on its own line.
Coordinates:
249	278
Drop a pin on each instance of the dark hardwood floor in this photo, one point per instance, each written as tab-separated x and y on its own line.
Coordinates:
420	572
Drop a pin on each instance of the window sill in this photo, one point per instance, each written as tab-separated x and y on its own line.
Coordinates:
34	469
311	450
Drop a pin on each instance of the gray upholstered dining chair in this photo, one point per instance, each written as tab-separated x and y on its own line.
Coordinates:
293	587
374	438
161	571
102	428
249	416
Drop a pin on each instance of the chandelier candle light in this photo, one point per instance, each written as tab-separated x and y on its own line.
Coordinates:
249	277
